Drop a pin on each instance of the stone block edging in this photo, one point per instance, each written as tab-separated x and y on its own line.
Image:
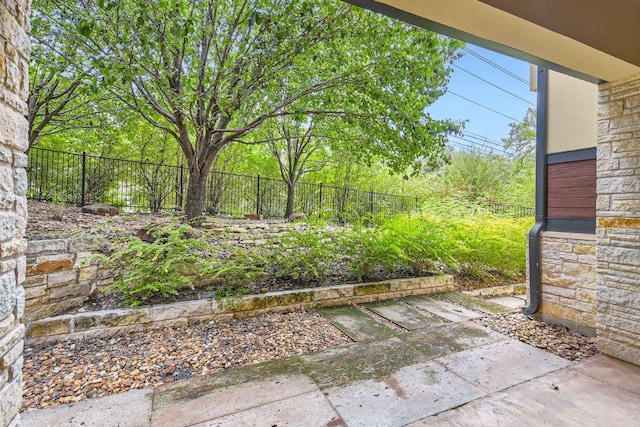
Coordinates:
104	323
499	291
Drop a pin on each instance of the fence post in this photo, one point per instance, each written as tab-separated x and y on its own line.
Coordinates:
181	194
371	201
84	177
258	197
320	201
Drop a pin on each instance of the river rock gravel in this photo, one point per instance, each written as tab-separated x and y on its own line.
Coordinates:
558	340
70	371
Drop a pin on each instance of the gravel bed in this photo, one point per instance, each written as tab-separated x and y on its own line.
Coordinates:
76	370
558	340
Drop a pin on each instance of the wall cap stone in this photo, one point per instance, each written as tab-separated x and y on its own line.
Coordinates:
573	236
89	324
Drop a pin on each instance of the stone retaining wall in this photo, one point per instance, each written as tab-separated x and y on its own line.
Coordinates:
568	265
618	219
104	323
61	276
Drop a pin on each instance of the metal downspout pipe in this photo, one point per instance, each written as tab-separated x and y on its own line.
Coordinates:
541	195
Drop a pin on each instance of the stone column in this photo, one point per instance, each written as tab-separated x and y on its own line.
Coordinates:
14	81
618	219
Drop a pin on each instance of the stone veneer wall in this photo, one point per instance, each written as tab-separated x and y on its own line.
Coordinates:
568	266
618	219
14	60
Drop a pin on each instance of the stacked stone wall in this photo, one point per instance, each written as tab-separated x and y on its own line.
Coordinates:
14	60
618	219
568	266
61	274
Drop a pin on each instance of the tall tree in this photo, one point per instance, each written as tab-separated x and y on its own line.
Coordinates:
293	145
522	136
61	94
210	72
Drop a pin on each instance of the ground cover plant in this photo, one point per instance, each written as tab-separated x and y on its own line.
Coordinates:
181	258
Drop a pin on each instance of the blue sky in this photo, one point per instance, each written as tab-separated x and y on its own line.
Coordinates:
483	123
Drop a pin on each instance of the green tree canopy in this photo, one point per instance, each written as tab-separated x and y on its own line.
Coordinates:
522	136
211	72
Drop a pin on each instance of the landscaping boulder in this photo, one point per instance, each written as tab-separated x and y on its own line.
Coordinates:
103	210
253	217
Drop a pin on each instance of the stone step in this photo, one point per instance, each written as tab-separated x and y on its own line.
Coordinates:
489	306
402	315
355	324
448	311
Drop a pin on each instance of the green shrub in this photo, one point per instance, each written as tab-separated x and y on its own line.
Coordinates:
238	267
303	257
488	243
162	267
426	242
368	249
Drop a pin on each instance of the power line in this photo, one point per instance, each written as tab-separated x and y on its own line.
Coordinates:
483	106
483	140
498	67
468	132
494	85
474	144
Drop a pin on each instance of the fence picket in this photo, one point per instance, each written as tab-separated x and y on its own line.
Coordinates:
144	186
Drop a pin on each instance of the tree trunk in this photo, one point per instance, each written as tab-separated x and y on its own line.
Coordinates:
195	193
291	197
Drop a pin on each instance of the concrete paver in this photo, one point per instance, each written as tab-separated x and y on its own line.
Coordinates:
407	395
513	302
566	398
188	409
477	304
451	312
309	409
402	315
612	371
503	364
480	413
449	338
130	409
341	366
357	325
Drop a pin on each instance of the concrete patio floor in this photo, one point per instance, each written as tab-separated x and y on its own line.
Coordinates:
440	373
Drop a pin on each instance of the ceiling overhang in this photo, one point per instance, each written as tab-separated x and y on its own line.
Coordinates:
590	39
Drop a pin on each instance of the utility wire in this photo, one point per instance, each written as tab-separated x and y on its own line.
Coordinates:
469	133
483	106
484	140
494	85
476	145
493	64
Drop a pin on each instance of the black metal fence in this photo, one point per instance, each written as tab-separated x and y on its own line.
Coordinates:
80	179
